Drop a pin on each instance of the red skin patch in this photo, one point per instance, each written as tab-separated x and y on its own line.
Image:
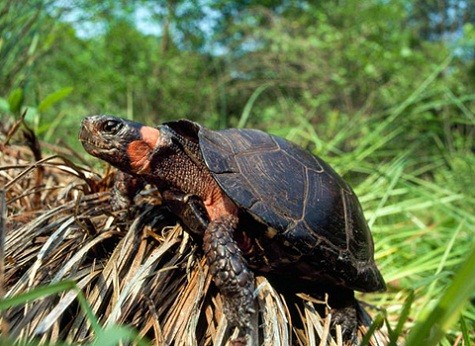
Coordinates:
139	150
150	136
215	200
218	204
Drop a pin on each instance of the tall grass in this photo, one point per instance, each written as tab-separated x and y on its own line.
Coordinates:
416	186
418	198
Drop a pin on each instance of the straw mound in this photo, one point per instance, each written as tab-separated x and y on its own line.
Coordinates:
145	271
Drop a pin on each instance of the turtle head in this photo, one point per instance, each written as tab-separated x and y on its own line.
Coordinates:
124	144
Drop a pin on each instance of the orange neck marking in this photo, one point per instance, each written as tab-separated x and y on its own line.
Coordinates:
139	151
150	136
218	204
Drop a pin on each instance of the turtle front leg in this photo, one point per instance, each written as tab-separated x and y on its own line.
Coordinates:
125	188
230	274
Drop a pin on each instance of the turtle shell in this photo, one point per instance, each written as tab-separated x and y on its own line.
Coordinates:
315	216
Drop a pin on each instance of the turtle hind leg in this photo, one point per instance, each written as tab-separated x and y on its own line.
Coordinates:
230	274
341	300
344	313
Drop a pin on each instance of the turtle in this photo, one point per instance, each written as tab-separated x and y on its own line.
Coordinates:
260	203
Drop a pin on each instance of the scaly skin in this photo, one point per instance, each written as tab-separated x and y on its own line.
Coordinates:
144	154
229	269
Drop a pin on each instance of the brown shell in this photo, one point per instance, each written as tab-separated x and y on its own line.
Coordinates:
317	218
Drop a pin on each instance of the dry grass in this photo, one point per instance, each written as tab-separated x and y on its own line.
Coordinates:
146	273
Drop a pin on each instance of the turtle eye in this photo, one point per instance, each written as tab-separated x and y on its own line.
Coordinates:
111	126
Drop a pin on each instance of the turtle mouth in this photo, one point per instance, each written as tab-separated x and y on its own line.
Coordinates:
88	139
91	146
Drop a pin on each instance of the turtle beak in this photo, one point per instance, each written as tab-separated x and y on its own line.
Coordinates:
86	129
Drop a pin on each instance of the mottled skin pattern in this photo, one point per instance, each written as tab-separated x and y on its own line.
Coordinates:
258	201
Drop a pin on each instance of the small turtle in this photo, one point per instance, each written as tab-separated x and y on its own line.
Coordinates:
260	203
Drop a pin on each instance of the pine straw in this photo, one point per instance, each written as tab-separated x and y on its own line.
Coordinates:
146	273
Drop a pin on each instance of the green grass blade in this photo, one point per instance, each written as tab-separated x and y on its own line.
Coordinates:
465	331
88	311
444	259
406	309
117	335
37	293
377	323
53	98
247	108
48	290
431	330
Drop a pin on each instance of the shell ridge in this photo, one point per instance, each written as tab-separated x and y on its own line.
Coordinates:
347	218
306	195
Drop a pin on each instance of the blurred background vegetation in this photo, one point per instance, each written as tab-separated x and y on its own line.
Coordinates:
385	90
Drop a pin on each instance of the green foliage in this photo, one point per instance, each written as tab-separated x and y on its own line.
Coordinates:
48	290
25	36
15	101
53	98
368	85
446	312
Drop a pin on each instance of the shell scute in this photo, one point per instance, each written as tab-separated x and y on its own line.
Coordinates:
318	220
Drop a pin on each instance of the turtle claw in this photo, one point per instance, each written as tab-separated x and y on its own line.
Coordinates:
239	341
